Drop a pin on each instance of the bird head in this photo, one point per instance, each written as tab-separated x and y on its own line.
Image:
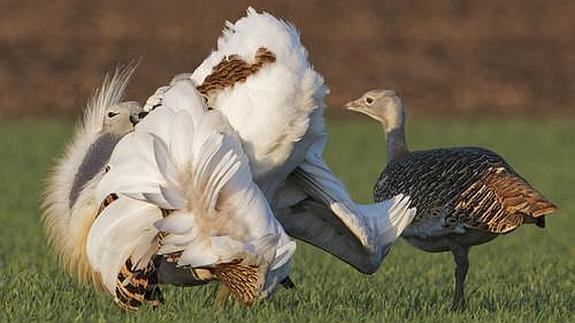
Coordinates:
382	105
121	118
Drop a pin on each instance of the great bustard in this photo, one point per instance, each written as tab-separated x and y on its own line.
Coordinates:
464	196
261	80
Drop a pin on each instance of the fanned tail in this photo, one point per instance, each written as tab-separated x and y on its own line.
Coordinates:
188	160
120	247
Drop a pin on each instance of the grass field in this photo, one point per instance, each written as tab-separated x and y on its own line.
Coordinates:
526	276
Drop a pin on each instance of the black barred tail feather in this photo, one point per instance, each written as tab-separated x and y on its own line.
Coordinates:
243	280
137	287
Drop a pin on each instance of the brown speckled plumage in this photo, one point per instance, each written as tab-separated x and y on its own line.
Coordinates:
472	186
243	280
137	287
233	69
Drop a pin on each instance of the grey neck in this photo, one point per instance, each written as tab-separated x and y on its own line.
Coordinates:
396	145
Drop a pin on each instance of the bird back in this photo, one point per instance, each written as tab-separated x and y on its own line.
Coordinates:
260	78
472	186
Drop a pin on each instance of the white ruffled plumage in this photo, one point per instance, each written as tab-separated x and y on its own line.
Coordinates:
69	201
184	181
278	114
276	101
189	161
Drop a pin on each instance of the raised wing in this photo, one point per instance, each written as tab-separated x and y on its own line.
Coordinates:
315	207
260	78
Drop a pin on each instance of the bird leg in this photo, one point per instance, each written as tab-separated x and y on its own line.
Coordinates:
222	295
460	255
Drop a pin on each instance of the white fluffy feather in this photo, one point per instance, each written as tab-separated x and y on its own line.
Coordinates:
278	113
277	101
189	160
67	226
123	229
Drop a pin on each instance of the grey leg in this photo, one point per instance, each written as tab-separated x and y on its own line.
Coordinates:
460	255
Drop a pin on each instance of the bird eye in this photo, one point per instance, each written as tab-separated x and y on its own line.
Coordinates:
368	100
112	114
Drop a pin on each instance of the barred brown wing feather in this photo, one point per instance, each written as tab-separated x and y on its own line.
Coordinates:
137	287
474	186
233	69
243	280
509	201
433	178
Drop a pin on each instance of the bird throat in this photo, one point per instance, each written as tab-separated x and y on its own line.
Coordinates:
396	145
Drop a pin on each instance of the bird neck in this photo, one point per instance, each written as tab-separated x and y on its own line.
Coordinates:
395	135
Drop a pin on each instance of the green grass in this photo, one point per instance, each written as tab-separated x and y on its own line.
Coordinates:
525	276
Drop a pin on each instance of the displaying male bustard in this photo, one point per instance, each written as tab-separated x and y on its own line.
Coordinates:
163	215
464	196
261	80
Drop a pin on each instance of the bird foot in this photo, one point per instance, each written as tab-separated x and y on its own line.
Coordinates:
458	305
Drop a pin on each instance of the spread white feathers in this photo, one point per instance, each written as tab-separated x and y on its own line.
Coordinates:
69	200
271	109
189	161
278	114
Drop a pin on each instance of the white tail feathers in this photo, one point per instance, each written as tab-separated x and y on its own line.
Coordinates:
188	160
125	228
389	219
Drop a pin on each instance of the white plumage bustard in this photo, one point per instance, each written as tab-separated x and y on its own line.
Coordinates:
260	78
182	188
69	200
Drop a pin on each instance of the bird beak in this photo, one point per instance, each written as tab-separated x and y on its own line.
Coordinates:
353	105
134	119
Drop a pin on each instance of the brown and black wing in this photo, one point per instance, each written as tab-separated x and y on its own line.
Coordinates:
233	69
473	186
500	202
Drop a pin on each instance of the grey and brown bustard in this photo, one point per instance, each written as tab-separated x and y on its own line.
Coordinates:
464	196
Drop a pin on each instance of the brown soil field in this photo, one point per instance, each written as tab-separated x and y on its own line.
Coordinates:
463	57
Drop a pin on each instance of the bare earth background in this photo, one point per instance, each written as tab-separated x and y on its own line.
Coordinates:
510	57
